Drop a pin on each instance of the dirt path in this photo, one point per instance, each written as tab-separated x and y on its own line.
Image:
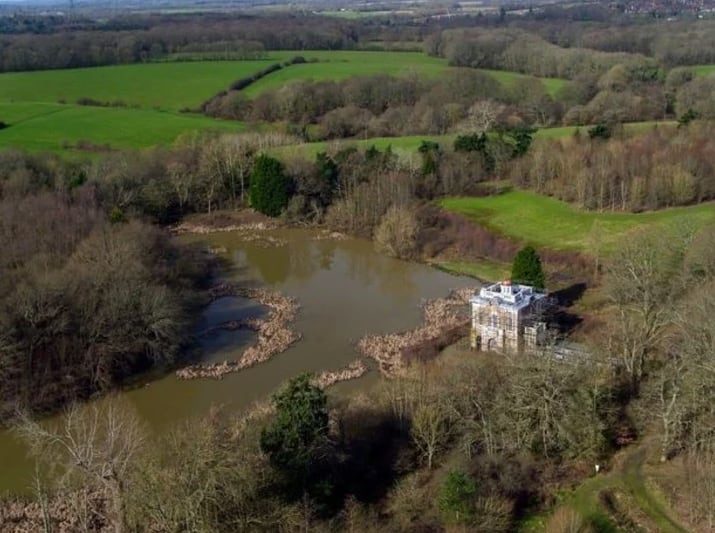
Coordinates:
647	510
631	475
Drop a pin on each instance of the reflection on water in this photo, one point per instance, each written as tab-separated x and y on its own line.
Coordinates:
345	290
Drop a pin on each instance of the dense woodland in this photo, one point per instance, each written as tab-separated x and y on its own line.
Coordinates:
86	303
464	101
567	39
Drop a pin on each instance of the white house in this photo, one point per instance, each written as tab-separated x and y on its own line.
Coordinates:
506	317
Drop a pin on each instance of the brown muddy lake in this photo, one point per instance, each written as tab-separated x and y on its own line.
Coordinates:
345	290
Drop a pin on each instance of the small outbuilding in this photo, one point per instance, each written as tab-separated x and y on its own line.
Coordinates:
507	318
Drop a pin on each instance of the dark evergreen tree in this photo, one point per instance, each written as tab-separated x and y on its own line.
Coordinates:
527	269
687	117
600	131
430	153
522	136
270	187
476	142
297	434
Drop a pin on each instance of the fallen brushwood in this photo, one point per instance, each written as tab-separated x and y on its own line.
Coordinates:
440	316
354	370
274	334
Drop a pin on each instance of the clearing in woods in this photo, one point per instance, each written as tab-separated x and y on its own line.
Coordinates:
550	223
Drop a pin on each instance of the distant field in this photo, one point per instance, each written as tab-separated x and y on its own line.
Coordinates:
339	65
508	78
49	127
343	64
156	91
167	86
703	70
186	84
550	223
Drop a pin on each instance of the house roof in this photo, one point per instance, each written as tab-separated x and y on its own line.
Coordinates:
508	295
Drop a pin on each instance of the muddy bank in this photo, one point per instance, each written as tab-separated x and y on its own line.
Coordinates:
443	318
275	334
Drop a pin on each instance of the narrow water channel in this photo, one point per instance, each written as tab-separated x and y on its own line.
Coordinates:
345	290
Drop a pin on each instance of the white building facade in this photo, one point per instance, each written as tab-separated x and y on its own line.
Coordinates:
506	318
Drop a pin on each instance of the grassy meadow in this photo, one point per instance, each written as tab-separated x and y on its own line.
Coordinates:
550	223
58	128
343	64
165	86
155	92
41	109
703	70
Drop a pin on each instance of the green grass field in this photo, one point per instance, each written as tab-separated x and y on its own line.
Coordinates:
703	70
29	101
550	223
342	64
167	86
339	65
51	127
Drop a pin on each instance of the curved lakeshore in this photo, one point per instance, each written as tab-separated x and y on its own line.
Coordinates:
275	334
443	319
345	291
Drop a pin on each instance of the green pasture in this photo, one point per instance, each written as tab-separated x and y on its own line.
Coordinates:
343	64
550	223
703	70
508	79
52	127
166	86
40	106
186	84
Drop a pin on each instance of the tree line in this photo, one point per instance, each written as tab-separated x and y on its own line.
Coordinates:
661	168
147	38
382	105
466	100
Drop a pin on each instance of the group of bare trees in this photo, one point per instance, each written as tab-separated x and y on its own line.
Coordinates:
661	168
661	284
85	303
500	421
370	106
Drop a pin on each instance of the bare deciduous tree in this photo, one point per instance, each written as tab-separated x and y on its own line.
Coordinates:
91	448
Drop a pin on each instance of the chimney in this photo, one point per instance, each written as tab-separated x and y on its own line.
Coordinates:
506	286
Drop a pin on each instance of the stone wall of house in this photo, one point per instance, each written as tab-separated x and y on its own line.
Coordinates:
496	328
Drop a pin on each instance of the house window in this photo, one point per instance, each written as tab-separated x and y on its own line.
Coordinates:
493	321
509	322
